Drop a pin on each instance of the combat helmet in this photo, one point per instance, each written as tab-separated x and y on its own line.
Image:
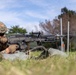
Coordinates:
3	28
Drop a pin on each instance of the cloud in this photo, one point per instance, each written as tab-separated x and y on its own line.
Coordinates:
31	26
17	12
7	4
9	16
49	10
13	18
35	14
40	3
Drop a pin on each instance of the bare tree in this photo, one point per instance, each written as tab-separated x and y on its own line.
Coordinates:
46	26
52	27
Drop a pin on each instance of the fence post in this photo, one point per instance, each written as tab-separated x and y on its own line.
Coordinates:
68	38
62	48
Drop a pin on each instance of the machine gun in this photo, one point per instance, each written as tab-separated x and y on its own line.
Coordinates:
23	40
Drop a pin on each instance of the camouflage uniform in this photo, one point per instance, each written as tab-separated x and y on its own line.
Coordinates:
3	39
4	48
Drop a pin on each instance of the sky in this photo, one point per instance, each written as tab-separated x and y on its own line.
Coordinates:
29	13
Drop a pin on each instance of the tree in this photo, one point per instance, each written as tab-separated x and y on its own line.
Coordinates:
53	27
50	27
68	15
46	26
64	10
17	29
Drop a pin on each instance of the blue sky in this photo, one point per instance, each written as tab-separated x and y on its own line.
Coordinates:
28	13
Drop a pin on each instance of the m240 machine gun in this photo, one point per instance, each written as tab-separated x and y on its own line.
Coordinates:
24	40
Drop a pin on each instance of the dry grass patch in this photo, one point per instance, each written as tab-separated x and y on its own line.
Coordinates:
55	65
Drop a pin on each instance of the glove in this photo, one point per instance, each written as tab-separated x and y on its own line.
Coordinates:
11	48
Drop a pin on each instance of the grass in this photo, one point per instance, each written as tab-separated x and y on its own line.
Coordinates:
55	65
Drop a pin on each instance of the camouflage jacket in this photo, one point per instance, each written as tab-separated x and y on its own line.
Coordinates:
3	43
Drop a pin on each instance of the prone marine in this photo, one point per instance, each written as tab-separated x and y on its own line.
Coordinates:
4	47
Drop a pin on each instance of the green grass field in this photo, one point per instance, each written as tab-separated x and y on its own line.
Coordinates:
55	65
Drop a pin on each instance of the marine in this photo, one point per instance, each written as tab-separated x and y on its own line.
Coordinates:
4	47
